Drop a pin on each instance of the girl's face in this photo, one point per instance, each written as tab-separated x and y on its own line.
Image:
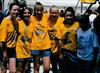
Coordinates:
39	11
26	14
54	13
14	10
69	18
68	15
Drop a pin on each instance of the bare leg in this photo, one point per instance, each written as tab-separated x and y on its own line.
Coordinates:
12	65
36	64
0	66
46	64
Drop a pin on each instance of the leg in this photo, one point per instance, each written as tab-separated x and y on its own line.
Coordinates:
12	65
36	59
4	66
4	63
36	64
1	58
12	59
54	61
46	60
26	67
0	66
22	65
19	66
46	64
85	66
98	68
89	67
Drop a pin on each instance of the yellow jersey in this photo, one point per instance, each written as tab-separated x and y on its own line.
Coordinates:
23	45
55	29
40	39
69	38
8	33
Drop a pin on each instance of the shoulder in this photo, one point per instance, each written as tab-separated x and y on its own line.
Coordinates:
5	21
76	23
92	32
45	16
20	21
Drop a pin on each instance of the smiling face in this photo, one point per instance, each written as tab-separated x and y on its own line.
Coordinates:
68	15
69	18
38	11
14	11
26	14
54	13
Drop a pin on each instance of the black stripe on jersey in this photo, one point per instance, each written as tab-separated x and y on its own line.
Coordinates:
10	35
12	39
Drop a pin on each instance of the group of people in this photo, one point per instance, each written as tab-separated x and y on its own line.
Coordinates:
68	43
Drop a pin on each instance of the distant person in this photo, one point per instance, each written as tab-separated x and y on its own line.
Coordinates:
41	44
22	4
54	23
91	18
23	53
62	13
96	24
9	30
98	10
69	42
87	46
1	52
1	14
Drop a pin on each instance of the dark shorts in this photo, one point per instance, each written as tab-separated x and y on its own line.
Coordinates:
42	53
24	59
1	55
11	53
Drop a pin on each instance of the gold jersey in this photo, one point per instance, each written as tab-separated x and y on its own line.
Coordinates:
23	46
8	33
69	39
40	39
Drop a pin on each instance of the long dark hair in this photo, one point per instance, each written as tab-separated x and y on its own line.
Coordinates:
30	10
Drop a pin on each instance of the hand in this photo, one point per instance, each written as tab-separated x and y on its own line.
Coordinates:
61	57
23	39
52	33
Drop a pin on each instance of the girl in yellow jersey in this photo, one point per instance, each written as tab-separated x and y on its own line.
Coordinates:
69	42
40	41
54	23
8	38
23	46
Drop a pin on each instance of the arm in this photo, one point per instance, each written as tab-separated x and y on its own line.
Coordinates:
95	54
95	46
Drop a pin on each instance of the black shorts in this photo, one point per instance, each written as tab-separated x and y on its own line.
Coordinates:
11	52
1	55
